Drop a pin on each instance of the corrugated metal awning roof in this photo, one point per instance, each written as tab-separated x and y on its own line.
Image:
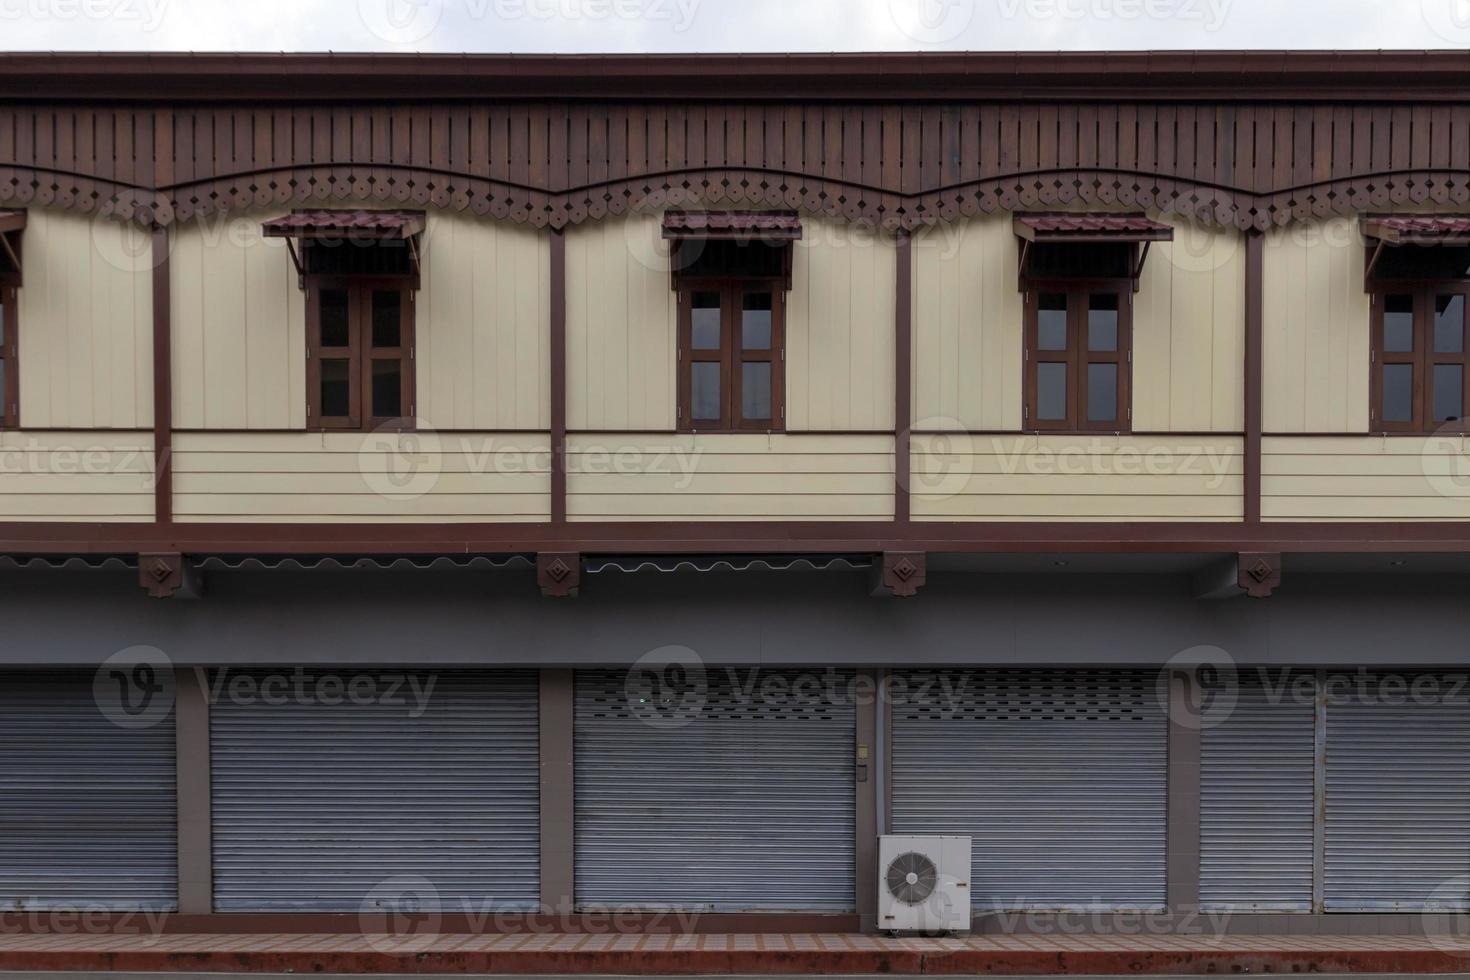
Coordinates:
1091	228
763	225
1419	229
671	564
346	224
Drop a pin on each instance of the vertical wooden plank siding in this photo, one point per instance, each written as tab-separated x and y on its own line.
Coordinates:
903	374
558	303
1254	318
163	415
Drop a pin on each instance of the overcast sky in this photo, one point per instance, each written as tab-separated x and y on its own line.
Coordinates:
726	25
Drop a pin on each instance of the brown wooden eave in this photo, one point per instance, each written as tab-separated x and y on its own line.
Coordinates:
1263	76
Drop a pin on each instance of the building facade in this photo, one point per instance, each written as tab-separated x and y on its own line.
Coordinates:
539	488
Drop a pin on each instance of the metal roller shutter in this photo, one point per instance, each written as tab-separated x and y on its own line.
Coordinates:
1059	776
1256	784
750	805
315	804
1398	792
87	811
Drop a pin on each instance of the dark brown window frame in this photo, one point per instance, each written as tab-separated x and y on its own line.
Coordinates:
731	355
10	354
360	353
1077	357
1423	358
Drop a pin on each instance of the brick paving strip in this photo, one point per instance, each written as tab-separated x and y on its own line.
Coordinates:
812	954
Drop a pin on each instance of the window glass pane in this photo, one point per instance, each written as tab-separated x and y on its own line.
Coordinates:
4	405
1102	322
1051	321
1449	392
1102	392
755	390
336	388
334	318
1449	324
755	322
1051	392
1398	324
1398	392
388	389
387	318
706	321
704	391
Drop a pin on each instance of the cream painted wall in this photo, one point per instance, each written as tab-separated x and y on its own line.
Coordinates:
839	329
483	327
98	476
652	477
341	477
86	323
957	476
1365	478
1188	330
621	316
1315	351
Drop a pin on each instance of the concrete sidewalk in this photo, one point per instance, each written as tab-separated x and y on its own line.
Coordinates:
711	954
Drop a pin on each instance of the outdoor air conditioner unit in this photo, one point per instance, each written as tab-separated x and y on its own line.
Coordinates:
923	883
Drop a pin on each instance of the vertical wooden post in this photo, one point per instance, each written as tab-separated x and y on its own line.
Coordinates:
192	784
1254	334
558	376
1182	858
868	783
163	404
903	378
558	877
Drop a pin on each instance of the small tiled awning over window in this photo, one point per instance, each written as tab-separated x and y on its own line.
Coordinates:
768	226
1419	230
384	230
346	224
12	223
1091	228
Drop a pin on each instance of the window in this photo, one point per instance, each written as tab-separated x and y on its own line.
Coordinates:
730	352
9	363
1419	357
1078	348
731	270
360	352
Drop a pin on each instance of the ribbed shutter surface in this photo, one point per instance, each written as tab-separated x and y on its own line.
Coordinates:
315	805
87	812
1398	793
1059	776
1256	830
750	805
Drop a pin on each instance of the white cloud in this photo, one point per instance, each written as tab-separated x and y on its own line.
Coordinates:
726	25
